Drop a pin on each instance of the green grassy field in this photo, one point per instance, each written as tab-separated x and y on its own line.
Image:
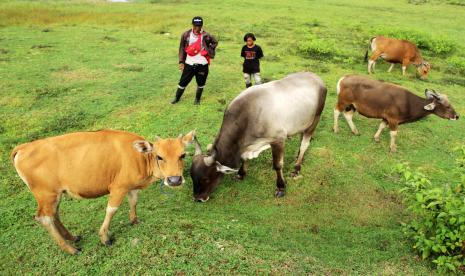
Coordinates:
89	65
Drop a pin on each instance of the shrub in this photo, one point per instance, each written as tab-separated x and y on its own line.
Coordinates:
438	224
323	49
456	65
437	45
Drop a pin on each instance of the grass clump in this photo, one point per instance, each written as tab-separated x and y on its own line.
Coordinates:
438	224
437	45
455	65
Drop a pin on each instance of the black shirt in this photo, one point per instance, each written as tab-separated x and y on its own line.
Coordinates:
251	59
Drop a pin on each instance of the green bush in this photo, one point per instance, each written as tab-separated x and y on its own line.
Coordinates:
456	65
437	45
438	224
324	49
318	48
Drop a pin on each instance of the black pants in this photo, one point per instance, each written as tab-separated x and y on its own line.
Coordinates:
200	71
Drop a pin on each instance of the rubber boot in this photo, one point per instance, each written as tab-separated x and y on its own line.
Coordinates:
179	93
198	95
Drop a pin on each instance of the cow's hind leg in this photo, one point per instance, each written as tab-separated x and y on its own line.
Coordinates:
62	229
116	197
372	61
132	198
348	114
46	215
277	150
304	143
242	171
337	111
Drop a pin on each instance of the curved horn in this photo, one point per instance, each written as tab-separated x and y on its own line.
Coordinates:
198	148
430	93
209	160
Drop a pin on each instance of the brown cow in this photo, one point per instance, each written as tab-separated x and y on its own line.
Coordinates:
396	51
93	164
392	103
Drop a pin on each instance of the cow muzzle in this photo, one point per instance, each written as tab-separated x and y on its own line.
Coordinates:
174	180
201	199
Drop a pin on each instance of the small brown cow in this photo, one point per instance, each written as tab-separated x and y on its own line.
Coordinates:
392	103
93	164
396	51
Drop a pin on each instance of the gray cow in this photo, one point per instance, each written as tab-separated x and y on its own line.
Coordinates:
261	117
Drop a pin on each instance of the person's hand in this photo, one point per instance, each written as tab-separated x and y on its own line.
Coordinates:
181	66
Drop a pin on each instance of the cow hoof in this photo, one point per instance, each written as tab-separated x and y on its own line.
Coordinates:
356	133
77	239
279	193
336	129
377	139
135	221
109	242
393	150
78	251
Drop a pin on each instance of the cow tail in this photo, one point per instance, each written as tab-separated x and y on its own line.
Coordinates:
14	152
369	46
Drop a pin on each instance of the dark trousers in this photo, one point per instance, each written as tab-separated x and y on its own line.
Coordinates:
200	72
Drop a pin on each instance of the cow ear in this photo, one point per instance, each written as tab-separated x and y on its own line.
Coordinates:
224	169
188	138
143	146
430	106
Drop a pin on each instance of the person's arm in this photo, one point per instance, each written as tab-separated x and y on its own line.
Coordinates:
182	52
212	44
259	52
242	52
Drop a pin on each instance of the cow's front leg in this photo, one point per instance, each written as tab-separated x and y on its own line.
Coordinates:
132	198
242	171
116	197
393	133
277	149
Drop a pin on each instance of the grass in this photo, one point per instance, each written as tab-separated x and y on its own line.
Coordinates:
88	65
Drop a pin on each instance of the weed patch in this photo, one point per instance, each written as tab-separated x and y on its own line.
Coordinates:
439	45
130	67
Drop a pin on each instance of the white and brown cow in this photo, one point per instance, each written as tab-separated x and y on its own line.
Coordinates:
391	103
396	51
261	117
93	164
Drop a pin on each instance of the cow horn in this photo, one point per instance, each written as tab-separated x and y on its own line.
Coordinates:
209	160
198	148
430	93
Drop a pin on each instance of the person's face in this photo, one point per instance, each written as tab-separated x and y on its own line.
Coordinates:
250	41
196	28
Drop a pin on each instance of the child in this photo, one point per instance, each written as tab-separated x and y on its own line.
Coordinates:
252	54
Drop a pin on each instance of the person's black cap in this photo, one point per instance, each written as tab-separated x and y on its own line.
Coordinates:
197	21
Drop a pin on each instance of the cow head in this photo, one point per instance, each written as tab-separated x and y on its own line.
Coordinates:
206	173
440	105
168	155
423	69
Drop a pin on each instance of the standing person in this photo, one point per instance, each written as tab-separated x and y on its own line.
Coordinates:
196	49
251	54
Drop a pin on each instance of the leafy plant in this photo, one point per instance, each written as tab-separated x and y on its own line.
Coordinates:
456	65
437	44
438	224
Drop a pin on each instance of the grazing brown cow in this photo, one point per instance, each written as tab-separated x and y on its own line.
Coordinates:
396	51
93	164
392	103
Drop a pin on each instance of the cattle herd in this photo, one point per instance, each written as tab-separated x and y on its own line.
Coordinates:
118	163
